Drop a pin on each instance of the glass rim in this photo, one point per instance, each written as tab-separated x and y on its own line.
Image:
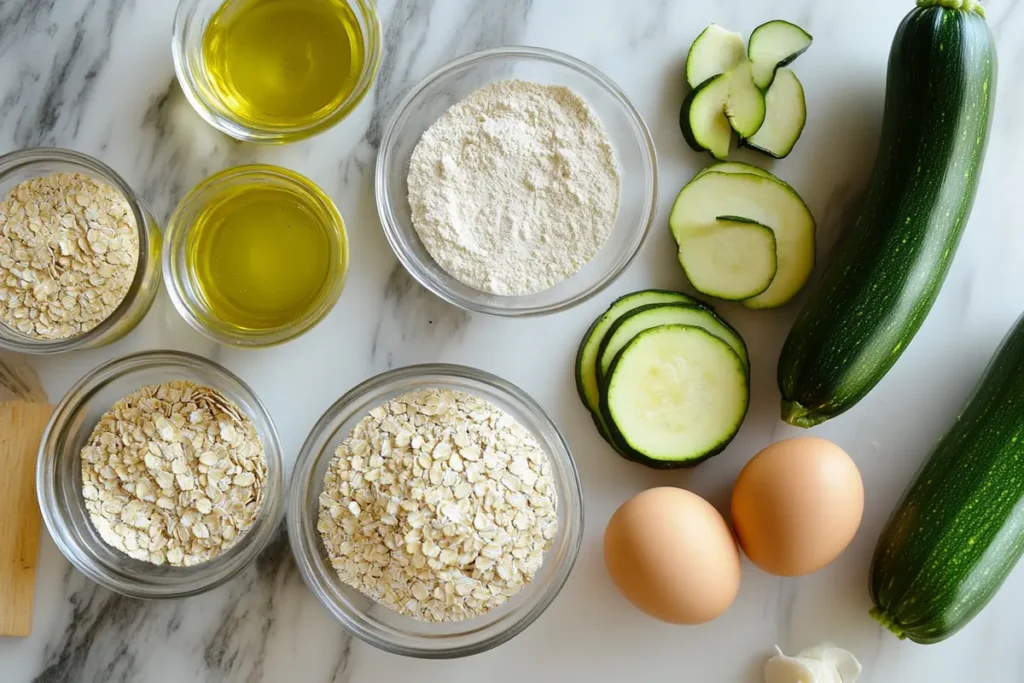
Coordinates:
179	228
186	73
302	534
386	202
216	571
26	158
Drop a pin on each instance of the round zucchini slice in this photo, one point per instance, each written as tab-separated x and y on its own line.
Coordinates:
587	384
675	396
636	321
734	259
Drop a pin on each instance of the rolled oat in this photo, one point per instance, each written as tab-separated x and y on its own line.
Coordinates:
69	248
439	505
173	473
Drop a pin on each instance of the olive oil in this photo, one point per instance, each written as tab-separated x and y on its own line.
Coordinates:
283	63
260	257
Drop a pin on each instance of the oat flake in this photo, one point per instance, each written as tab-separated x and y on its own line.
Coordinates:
173	473
69	248
439	505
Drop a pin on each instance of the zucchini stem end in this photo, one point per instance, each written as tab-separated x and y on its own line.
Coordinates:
798	416
887	621
965	5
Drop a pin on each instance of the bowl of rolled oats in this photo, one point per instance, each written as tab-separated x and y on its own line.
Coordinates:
160	475
435	511
79	253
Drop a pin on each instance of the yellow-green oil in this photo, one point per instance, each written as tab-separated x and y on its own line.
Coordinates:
283	63
260	257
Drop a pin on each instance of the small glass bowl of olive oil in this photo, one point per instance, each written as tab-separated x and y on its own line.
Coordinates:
255	255
275	70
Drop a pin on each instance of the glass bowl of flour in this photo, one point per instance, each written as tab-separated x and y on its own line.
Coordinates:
516	181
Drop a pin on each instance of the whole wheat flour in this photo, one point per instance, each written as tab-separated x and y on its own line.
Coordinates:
515	188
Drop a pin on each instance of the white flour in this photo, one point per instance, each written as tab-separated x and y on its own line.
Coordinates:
515	188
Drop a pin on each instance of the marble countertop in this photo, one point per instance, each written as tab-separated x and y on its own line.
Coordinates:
96	76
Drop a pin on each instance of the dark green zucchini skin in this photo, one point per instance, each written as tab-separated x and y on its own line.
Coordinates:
684	117
959	530
889	267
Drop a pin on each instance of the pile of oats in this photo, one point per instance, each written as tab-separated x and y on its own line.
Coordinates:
439	506
69	248
174	474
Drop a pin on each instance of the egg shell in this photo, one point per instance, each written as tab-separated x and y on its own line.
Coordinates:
673	556
797	505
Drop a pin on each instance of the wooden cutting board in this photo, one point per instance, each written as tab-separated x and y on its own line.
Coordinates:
24	413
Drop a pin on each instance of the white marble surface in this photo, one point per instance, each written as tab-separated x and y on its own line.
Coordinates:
96	76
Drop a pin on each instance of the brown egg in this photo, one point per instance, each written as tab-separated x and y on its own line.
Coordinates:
672	555
797	505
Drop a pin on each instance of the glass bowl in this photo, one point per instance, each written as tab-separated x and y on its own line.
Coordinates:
59	477
190	22
630	138
16	168
378	625
185	291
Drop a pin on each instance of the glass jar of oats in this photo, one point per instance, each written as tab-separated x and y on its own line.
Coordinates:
79	253
186	417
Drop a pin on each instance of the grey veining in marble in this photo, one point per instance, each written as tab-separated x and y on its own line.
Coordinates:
96	76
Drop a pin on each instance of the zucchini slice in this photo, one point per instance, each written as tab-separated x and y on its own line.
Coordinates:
774	45
731	260
633	323
767	200
746	106
702	117
586	357
715	51
720	105
734	167
675	395
786	115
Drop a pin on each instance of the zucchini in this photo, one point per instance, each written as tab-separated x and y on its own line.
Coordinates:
890	266
586	357
774	45
736	167
702	117
786	114
646	317
672	308
762	198
675	395
587	385
720	105
959	531
746	105
734	259
715	51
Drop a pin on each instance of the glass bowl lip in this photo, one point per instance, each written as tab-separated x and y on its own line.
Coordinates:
24	158
374	39
393	130
255	540
183	303
302	534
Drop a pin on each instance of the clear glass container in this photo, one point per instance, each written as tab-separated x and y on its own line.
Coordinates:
425	103
184	289
190	22
16	168
59	477
378	625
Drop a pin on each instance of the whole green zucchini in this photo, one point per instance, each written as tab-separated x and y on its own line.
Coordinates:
959	530
889	267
